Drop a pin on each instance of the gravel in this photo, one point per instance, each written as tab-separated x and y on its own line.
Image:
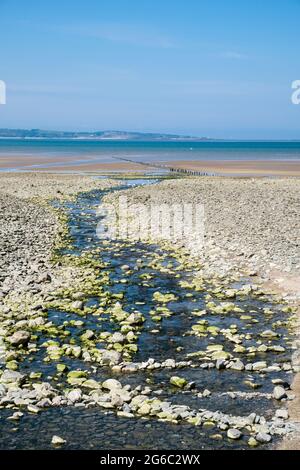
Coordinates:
27	229
249	222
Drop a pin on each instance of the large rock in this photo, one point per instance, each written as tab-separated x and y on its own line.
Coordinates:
259	365
91	384
112	384
11	377
135	318
234	434
269	334
2	390
117	338
57	441
220	355
282	414
238	365
19	338
220	364
263	437
75	395
178	381
111	357
279	393
87	335
77	374
77	305
170	363
119	397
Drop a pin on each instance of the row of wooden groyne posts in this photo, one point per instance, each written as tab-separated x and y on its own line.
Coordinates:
169	168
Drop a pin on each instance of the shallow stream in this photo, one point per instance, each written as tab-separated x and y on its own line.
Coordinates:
137	271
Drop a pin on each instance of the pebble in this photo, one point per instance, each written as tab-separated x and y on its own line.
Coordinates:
282	413
279	393
234	434
263	438
57	441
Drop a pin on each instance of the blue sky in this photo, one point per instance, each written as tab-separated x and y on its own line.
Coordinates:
220	68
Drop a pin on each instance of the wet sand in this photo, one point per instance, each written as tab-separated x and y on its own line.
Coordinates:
63	165
90	163
98	168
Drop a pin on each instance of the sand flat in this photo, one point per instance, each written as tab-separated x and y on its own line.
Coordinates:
88	163
238	167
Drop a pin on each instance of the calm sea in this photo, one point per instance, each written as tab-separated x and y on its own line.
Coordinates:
104	151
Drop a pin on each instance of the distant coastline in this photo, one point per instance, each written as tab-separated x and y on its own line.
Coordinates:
121	136
98	135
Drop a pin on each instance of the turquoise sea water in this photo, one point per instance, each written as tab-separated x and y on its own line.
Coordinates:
76	151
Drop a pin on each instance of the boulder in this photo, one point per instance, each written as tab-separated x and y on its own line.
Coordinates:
111	357
77	305
77	374
238	365
259	365
135	318
282	414
117	338
220	355
263	438
19	338
112	384
75	395
169	363
234	433
92	384
57	441
11	377
87	335
279	393
220	364
178	381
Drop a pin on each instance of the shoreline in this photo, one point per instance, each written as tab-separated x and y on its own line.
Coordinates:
89	163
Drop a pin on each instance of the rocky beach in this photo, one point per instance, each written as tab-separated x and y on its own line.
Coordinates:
146	333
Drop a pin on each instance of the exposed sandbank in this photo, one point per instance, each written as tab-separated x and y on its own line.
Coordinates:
238	167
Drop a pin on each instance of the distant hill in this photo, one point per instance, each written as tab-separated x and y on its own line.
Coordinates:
99	135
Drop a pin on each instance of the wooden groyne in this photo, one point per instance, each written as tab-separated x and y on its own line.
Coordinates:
172	169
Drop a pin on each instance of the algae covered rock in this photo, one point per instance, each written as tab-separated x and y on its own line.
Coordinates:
178	381
220	355
77	374
77	305
61	367
12	377
92	384
112	384
163	298
117	338
111	357
135	318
